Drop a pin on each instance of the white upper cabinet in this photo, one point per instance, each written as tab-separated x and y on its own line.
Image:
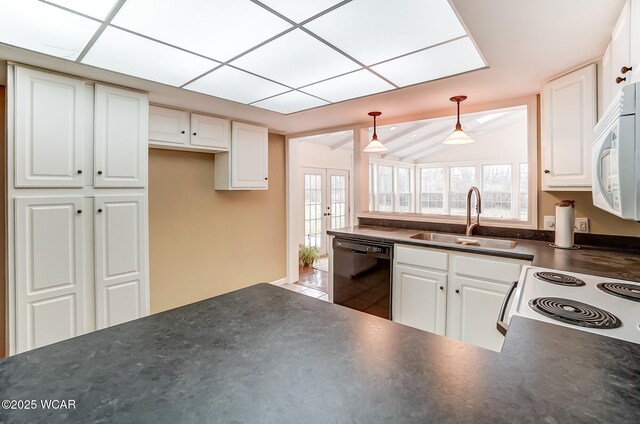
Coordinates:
168	126
620	52
246	166
121	132
120	259
49	128
569	112
210	132
180	130
50	303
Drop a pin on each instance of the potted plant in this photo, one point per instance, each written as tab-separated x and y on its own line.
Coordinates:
307	255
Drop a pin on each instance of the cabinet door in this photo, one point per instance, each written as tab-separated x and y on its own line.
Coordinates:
49	129
49	270
122	292
121	133
472	311
210	132
568	117
249	156
419	298
620	51
169	126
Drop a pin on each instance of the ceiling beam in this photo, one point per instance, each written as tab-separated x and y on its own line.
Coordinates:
341	143
404	132
425	154
412	145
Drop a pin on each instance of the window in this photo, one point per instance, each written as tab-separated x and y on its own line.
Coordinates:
496	191
404	190
461	179
385	188
312	212
432	190
372	179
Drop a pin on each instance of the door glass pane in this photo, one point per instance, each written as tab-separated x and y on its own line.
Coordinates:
461	180
313	210
404	190
372	199
338	201
385	188
496	190
432	190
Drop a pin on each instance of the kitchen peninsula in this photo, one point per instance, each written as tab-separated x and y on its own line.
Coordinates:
264	354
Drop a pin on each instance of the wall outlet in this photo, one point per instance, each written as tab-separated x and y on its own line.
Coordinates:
550	223
582	225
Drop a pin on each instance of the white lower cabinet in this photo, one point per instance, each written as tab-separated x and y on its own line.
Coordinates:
120	259
457	295
49	270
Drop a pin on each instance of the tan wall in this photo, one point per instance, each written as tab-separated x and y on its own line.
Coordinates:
600	222
204	242
3	240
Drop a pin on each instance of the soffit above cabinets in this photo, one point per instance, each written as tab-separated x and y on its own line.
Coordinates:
280	55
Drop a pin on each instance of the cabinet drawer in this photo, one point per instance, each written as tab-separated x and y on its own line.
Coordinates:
423	258
506	270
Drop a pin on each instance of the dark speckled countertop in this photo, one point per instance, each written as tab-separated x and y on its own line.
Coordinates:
267	355
612	263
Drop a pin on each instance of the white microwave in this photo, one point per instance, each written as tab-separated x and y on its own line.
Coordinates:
616	156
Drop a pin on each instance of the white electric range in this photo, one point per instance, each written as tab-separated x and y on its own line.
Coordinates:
600	305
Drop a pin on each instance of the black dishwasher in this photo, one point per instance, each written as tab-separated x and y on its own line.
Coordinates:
362	275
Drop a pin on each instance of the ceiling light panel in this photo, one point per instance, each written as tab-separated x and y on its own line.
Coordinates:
130	54
437	62
219	29
98	9
37	26
290	102
299	11
233	84
296	59
356	84
372	31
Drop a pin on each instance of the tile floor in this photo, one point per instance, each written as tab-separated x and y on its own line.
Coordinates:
306	291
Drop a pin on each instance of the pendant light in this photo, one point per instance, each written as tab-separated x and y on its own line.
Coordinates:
374	145
458	136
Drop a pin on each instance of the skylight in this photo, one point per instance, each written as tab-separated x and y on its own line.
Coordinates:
281	55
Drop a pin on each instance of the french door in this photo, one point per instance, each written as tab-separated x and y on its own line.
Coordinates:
326	204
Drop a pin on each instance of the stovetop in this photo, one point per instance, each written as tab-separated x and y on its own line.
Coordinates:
605	306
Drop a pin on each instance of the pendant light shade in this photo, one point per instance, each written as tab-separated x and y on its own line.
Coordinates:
458	136
374	146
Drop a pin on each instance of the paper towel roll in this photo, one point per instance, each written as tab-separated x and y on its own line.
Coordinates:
565	220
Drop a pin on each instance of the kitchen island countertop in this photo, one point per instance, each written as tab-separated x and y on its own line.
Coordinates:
267	355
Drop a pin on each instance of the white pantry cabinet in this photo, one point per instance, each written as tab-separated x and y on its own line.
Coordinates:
50	300
181	130
50	126
457	295
246	165
569	111
120	137
120	258
77	215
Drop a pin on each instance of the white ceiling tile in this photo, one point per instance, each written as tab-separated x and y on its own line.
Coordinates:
375	30
98	9
236	85
130	54
219	29
297	10
438	62
356	84
296	59
37	26
290	102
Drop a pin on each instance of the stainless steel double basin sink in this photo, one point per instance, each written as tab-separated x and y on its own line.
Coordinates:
466	241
